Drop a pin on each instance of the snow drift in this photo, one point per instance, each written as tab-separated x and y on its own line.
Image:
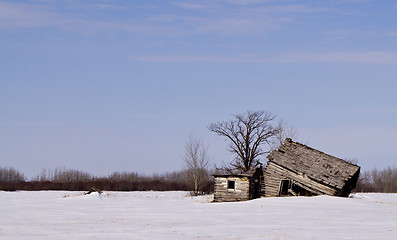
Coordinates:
175	215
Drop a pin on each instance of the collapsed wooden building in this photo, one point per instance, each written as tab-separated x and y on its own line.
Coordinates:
296	169
293	169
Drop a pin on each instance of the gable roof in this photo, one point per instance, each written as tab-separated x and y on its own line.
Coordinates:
317	165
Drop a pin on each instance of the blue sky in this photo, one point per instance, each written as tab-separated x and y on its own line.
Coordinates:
105	86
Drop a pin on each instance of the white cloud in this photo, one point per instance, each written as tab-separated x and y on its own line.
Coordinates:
291	8
292	57
256	20
352	1
23	16
33	124
391	34
341	34
368	111
182	58
42	124
271	6
106	6
248	20
238	26
194	6
247	2
341	57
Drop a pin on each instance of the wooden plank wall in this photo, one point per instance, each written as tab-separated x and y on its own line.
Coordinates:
274	174
240	193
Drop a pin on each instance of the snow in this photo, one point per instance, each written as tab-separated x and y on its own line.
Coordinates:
175	215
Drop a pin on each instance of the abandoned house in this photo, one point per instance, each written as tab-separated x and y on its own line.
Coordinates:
293	169
237	187
296	169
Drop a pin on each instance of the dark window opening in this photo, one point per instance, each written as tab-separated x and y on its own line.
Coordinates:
284	186
231	184
288	188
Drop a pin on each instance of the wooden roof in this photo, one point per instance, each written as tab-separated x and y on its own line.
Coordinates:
249	173
319	166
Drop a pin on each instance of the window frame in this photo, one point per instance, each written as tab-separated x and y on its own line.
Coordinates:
231	183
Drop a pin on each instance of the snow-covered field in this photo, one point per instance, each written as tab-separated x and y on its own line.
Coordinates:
175	215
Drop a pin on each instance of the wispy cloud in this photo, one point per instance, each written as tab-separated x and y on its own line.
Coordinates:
371	57
291	8
106	6
14	15
292	57
194	6
248	2
345	34
353	1
42	124
33	124
182	58
391	34
342	34
225	21
245	18
25	16
239	26
369	111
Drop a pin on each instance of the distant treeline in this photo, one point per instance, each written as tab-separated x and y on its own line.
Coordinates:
375	180
75	180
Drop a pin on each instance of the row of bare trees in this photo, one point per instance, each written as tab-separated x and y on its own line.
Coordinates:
9	175
75	180
62	175
375	180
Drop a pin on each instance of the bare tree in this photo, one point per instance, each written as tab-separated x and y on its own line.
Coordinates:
247	133
196	162
285	131
11	175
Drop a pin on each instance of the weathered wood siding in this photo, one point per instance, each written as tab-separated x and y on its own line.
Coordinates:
274	174
241	192
310	169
